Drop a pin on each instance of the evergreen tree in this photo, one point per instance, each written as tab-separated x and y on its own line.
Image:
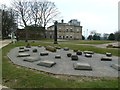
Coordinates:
111	37
90	37
83	38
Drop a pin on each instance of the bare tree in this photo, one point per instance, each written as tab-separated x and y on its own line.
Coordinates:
43	12
48	12
23	10
34	11
39	13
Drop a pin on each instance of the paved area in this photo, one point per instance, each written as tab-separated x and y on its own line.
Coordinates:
4	43
65	64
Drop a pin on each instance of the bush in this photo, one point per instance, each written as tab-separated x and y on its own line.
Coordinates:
75	50
109	46
117	46
50	48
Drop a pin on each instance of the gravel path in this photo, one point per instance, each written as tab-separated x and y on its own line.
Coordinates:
65	64
4	43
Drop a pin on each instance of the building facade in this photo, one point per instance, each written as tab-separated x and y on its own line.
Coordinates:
70	30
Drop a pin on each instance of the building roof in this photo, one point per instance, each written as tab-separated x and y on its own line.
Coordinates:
67	24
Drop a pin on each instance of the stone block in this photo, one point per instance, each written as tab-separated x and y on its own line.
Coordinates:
116	66
21	47
46	63
21	50
106	59
58	56
79	53
74	57
66	49
109	54
31	59
88	52
50	48
82	66
57	47
28	46
23	55
34	50
44	53
69	54
26	49
88	55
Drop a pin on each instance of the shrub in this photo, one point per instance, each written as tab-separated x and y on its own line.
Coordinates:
75	50
109	46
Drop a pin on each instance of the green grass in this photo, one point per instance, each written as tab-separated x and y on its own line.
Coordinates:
20	77
89	41
81	41
92	48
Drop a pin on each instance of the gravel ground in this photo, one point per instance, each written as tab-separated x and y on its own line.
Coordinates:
65	64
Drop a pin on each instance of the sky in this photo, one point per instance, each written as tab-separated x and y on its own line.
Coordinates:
95	15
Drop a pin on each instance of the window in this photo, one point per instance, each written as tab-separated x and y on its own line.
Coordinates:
50	36
60	37
66	36
59	29
77	30
71	30
53	28
70	36
67	30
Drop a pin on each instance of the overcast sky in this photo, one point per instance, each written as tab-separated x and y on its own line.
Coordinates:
99	15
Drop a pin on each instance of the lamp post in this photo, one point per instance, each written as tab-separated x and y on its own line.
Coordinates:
87	34
55	32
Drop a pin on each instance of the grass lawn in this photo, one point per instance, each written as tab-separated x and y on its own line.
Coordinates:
90	42
82	41
20	77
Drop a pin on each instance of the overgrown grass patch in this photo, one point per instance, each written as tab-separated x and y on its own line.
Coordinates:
20	77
